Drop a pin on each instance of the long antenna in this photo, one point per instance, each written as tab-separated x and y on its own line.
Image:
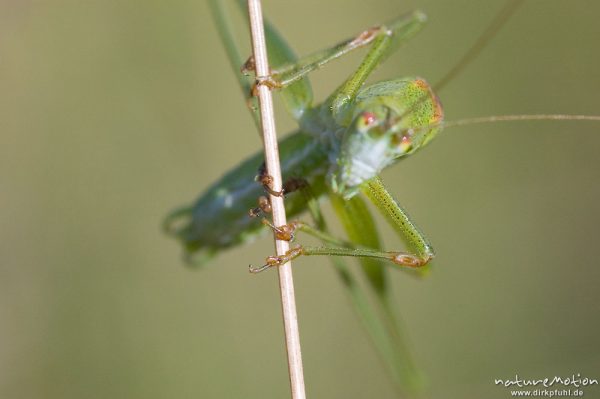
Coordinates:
507	118
492	29
513	118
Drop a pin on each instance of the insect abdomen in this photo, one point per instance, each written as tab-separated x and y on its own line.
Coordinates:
219	219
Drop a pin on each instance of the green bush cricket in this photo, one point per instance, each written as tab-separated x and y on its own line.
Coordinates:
377	134
340	148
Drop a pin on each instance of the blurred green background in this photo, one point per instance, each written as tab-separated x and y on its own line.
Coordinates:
114	112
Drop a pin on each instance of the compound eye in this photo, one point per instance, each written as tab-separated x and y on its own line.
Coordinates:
404	140
369	119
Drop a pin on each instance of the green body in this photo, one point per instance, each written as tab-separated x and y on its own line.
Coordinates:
219	219
321	154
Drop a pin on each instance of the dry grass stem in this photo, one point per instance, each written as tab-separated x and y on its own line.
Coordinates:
286	283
